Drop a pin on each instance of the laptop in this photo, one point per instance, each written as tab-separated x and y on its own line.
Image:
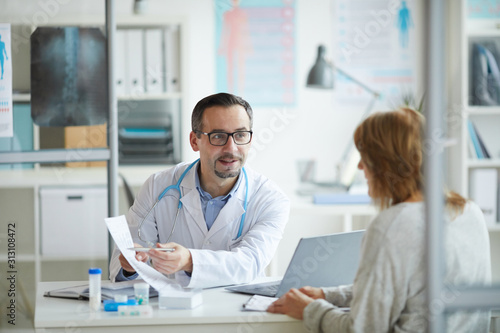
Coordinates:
322	261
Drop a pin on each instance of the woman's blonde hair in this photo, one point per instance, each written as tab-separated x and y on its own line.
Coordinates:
391	147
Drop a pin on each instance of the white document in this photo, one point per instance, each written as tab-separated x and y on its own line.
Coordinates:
258	303
6	112
154	69
120	232
484	191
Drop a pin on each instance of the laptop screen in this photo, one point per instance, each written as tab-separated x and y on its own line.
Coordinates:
323	261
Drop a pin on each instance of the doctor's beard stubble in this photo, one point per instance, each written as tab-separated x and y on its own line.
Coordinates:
228	174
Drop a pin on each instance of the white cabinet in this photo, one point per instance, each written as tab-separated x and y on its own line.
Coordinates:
72	222
475	100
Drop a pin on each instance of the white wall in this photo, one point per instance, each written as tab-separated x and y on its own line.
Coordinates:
316	128
312	129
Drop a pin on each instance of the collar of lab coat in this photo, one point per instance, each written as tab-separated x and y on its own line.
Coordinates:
231	212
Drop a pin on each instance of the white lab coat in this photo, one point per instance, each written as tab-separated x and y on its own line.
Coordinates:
218	259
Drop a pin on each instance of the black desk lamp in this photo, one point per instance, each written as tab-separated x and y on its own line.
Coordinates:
321	77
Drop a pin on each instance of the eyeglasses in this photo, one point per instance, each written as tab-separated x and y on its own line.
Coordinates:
220	138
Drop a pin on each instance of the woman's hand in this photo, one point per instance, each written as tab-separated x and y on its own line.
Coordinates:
314	293
292	304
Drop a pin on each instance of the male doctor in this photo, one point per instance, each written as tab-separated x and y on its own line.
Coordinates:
231	219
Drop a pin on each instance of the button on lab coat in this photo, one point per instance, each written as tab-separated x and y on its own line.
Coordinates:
218	258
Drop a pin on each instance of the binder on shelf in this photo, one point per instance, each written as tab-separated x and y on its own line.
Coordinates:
484	192
475	140
484	151
471	149
154	69
121	81
135	61
172	58
485	85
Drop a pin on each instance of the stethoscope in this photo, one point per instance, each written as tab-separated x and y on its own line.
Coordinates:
177	188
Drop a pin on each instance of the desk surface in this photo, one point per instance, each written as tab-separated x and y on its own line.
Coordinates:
220	312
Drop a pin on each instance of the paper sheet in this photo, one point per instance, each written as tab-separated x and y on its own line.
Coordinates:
120	232
258	303
261	303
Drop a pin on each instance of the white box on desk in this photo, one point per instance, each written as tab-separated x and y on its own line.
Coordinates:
72	221
484	192
179	299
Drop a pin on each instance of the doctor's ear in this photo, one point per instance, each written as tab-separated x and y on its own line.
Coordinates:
193	140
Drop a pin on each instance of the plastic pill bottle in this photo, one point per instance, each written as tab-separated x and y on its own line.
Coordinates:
141	293
95	289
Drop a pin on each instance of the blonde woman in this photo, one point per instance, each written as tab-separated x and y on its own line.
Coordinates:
388	293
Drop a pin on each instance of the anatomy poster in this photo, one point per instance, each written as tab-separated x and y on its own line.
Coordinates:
483	9
377	42
6	116
255	45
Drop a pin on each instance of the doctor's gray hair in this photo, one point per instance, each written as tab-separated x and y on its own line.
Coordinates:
220	99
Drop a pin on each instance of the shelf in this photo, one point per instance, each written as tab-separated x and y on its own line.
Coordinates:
47	176
21	98
304	205
19	258
484	33
494	227
72	258
143	97
26	98
484	163
482	26
483	110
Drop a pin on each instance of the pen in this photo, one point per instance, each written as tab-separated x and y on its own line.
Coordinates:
146	249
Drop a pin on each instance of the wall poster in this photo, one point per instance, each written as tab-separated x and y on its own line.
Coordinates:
255	45
6	115
483	9
377	43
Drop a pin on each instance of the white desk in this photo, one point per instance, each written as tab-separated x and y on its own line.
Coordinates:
220	312
305	206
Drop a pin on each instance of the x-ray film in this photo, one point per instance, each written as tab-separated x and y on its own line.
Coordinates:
68	76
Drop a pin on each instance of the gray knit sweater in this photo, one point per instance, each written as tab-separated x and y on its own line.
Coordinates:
388	294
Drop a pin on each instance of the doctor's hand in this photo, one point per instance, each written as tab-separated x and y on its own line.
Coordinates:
171	262
292	304
140	256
